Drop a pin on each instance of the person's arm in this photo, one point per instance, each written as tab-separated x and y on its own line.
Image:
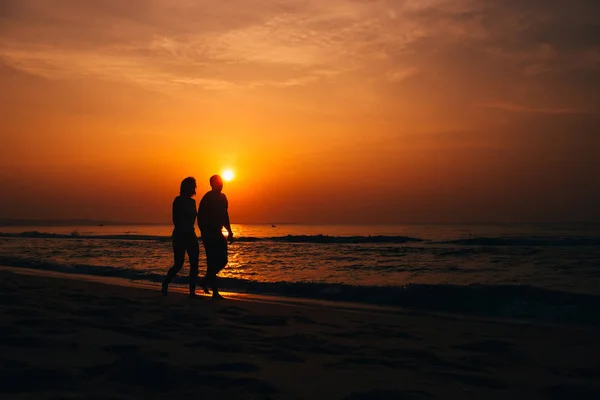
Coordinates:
194	212
199	216
175	213
227	223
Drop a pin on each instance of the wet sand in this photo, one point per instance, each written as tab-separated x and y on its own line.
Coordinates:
75	339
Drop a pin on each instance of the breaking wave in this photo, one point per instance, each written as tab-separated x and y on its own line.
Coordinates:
513	301
326	239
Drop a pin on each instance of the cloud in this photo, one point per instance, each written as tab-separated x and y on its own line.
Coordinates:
240	45
511	107
401	74
154	41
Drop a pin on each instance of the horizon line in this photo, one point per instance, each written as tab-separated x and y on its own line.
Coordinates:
82	221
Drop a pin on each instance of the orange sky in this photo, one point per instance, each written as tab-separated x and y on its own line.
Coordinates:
328	111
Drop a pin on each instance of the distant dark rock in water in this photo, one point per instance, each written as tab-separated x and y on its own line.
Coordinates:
100	224
273	226
36	234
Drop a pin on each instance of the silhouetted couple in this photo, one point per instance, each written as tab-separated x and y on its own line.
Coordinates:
212	216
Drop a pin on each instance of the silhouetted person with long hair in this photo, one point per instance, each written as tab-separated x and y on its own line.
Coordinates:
213	215
184	234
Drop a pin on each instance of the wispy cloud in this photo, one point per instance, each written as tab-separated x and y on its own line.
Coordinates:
518	108
401	74
288	44
295	39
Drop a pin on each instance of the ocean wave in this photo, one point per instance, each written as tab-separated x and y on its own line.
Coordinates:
512	301
316	239
335	239
527	241
77	235
508	241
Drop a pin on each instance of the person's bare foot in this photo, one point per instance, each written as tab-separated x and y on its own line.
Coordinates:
217	296
203	285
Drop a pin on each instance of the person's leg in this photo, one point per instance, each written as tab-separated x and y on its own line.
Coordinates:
210	263
178	258
204	281
193	250
218	262
203	284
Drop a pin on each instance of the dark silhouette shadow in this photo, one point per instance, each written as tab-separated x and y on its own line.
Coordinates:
213	215
184	235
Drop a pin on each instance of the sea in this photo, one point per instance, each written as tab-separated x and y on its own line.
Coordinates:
548	272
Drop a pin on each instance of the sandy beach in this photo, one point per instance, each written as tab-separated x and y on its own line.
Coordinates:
74	339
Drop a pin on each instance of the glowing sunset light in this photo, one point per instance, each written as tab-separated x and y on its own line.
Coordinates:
353	112
228	175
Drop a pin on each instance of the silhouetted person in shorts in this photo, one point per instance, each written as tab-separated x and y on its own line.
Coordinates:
213	215
184	235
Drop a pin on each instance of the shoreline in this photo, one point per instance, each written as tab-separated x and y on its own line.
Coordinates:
517	304
290	301
181	289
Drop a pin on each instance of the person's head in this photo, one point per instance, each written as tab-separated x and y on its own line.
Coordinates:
216	183
188	187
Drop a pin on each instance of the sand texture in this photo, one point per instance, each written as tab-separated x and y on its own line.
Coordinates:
73	339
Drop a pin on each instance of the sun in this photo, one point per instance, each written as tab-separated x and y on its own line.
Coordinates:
228	175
